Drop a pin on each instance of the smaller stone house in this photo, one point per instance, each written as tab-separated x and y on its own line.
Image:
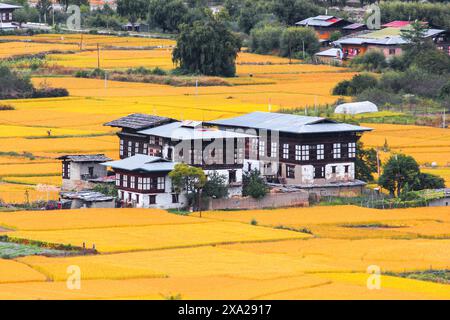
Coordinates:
443	201
79	171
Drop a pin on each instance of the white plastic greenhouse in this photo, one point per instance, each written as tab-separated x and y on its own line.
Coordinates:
356	108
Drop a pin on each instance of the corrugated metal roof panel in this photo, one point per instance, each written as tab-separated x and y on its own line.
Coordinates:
9	6
287	123
141	163
177	131
85	158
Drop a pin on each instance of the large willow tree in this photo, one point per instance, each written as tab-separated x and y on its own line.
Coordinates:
207	47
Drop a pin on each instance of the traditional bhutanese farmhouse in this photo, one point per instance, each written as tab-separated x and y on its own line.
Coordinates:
324	25
81	171
307	152
387	41
131	141
6	16
143	180
331	56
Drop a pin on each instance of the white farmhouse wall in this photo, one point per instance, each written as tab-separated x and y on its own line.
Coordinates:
307	174
340	174
77	170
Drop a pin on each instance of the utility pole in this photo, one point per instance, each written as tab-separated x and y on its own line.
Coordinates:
378	161
443	120
98	56
303	43
81	42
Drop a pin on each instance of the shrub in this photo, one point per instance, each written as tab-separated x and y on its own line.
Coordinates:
371	61
266	39
6	107
357	85
254	185
295	39
50	92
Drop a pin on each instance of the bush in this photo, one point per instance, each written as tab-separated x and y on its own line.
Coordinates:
266	39
295	39
50	92
342	88
357	85
371	61
428	181
254	185
6	107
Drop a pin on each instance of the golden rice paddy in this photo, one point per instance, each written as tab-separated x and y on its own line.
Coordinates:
152	254
246	261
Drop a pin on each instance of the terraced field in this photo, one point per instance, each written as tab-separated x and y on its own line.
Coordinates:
227	257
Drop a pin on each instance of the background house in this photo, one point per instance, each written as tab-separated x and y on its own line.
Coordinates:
324	25
80	171
6	16
387	40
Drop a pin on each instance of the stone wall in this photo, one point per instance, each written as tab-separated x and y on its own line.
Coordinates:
272	200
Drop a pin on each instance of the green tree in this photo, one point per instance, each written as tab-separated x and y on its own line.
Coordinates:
167	14
335	36
373	60
428	181
298	42
249	16
266	39
215	187
107	189
43	7
400	173
133	10
253	185
13	85
416	40
207	47
358	84
189	180
366	163
291	11
233	7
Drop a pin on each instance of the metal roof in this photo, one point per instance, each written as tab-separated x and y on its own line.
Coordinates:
86	195
141	162
138	121
8	6
354	26
181	131
319	21
386	36
396	24
85	158
330	53
288	123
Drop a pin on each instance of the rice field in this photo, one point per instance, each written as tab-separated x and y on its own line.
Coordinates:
153	254
427	145
224	255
